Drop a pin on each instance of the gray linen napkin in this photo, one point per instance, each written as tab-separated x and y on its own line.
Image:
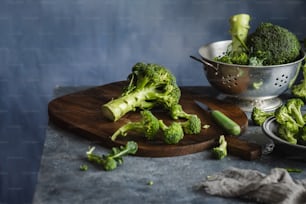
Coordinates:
276	187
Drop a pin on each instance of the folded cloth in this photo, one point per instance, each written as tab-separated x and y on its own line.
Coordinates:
276	187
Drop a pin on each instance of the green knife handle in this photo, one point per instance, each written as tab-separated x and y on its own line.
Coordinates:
230	126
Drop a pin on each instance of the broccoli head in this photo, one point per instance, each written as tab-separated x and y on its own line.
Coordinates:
302	135
288	132
149	85
148	125
299	90
283	116
273	44
221	150
172	133
192	125
259	116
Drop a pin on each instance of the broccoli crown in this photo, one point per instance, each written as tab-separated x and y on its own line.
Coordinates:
149	85
156	82
259	116
283	116
172	133
192	125
299	90
302	134
221	150
294	106
273	44
288	132
148	125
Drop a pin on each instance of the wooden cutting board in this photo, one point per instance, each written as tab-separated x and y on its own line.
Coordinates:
80	112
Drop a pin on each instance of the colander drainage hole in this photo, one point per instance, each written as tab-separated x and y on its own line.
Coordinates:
282	81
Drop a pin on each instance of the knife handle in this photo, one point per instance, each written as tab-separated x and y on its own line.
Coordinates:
230	126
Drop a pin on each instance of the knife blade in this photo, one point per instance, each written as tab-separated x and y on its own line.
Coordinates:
227	124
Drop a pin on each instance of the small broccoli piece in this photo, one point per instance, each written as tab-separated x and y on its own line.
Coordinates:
221	151
83	167
294	106
148	125
149	85
302	134
172	133
288	132
115	157
273	44
237	51
299	90
192	125
259	116
283	116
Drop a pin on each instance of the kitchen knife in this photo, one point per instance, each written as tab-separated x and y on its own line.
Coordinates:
228	125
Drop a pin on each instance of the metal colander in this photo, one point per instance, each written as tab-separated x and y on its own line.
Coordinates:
248	86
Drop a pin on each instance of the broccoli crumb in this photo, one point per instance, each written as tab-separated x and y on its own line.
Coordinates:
83	167
206	126
150	183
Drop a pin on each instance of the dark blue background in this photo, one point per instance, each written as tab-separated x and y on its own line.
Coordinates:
49	43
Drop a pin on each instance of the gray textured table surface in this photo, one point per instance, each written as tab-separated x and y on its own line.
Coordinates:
175	178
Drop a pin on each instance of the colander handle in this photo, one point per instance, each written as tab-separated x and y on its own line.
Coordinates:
204	62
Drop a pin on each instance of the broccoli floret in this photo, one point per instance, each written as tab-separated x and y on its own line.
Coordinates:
288	131
259	116
237	51
221	151
294	106
273	44
115	157
148	125
299	90
149	85
172	133
302	135
283	116
192	125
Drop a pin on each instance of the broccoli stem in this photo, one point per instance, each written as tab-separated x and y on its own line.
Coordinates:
135	126
239	31
116	108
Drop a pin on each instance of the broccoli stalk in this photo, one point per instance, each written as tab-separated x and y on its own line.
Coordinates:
148	125
259	116
237	52
111	161
299	90
239	31
172	133
149	85
193	123
221	151
294	106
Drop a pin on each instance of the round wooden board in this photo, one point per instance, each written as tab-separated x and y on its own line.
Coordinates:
80	112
